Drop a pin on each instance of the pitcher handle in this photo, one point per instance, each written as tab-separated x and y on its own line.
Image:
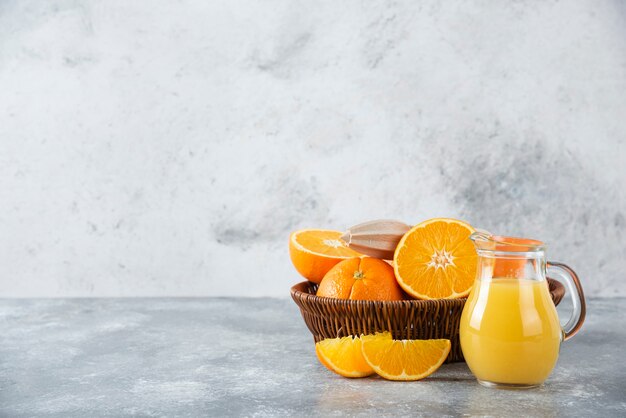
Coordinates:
569	278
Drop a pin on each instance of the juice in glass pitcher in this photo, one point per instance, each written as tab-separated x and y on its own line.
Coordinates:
510	331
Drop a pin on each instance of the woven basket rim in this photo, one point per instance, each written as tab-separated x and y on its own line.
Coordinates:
300	291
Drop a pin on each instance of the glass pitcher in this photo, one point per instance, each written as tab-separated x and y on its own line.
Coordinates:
510	331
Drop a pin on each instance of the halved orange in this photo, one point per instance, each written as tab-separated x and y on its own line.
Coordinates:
343	356
436	260
403	359
315	251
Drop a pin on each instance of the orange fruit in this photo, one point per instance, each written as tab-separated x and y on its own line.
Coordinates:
361	278
321	359
315	251
343	356
436	260
403	359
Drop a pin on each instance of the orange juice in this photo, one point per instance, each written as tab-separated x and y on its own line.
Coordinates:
510	331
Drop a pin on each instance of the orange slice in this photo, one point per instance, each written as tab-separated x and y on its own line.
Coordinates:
436	260
403	359
315	251
321	359
343	356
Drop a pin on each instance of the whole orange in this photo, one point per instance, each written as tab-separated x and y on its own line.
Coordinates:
361	278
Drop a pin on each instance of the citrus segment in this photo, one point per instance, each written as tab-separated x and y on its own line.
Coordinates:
436	260
359	278
321	359
403	359
315	251
343	356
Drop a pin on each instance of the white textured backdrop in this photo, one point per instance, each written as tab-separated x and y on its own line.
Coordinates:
169	147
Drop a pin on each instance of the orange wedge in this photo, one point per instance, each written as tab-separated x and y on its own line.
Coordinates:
403	359
321	359
436	260
343	356
315	251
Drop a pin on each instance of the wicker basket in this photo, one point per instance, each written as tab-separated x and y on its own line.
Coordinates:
406	319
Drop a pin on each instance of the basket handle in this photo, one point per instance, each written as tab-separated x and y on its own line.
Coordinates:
569	278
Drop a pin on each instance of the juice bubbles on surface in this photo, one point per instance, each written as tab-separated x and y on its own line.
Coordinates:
510	331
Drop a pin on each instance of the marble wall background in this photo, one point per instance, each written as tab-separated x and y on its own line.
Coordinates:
154	148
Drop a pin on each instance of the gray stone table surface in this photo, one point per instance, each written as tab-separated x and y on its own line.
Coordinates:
255	357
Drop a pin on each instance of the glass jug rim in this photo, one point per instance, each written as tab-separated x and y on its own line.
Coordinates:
486	242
